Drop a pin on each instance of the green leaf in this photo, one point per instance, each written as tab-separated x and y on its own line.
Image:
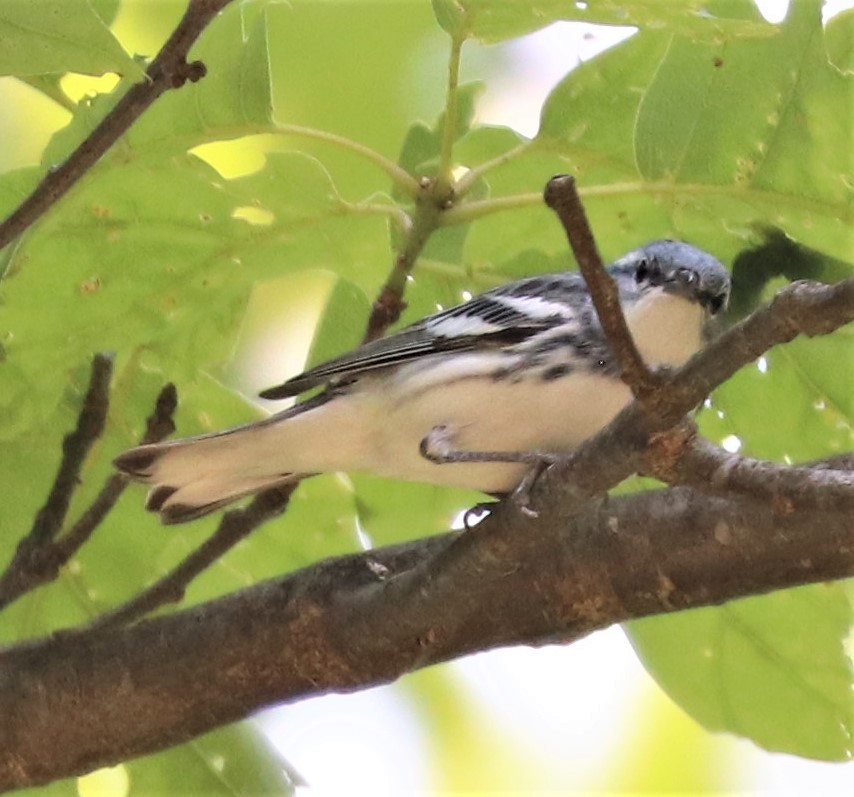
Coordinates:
232	100
578	124
342	324
701	141
776	141
773	669
234	761
839	36
492	21
49	36
450	15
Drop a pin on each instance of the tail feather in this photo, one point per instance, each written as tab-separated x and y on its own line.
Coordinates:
193	477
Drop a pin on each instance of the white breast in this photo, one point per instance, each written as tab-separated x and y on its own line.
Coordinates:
378	427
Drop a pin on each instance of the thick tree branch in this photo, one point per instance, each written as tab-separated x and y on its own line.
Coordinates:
369	618
168	70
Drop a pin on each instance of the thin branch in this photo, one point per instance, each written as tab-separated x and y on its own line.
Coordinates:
468	212
562	197
687	459
234	526
389	303
18	576
168	70
75	447
37	561
393	213
444	178
471	211
158	426
803	307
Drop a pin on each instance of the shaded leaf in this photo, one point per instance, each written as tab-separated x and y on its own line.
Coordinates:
772	668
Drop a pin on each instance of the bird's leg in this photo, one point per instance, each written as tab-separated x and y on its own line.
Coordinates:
521	495
436	447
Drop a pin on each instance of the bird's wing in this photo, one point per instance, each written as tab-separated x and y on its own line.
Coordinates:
503	316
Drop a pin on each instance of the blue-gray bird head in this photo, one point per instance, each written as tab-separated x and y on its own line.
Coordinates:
678	268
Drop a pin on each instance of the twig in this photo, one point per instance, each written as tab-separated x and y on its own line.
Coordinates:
38	559
465	183
158	426
619	450
809	308
681	457
234	526
168	70
561	195
389	303
444	177
75	447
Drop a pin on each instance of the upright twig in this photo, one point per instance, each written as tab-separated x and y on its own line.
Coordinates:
75	447
444	177
389	303
158	426
44	550
561	195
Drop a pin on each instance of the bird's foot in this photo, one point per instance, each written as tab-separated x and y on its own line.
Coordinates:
437	447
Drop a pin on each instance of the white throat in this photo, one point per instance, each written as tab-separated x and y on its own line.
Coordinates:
667	329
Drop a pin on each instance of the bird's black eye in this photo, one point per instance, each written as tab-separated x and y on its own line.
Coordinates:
642	271
716	303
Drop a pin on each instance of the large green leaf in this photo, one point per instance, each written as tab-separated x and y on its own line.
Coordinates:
772	145
773	669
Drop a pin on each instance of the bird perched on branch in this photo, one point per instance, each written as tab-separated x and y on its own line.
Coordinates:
523	367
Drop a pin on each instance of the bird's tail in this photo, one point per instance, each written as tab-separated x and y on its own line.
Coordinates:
190	478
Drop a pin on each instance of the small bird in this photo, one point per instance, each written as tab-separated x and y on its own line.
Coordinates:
523	367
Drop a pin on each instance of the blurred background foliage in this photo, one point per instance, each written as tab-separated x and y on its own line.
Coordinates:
242	228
